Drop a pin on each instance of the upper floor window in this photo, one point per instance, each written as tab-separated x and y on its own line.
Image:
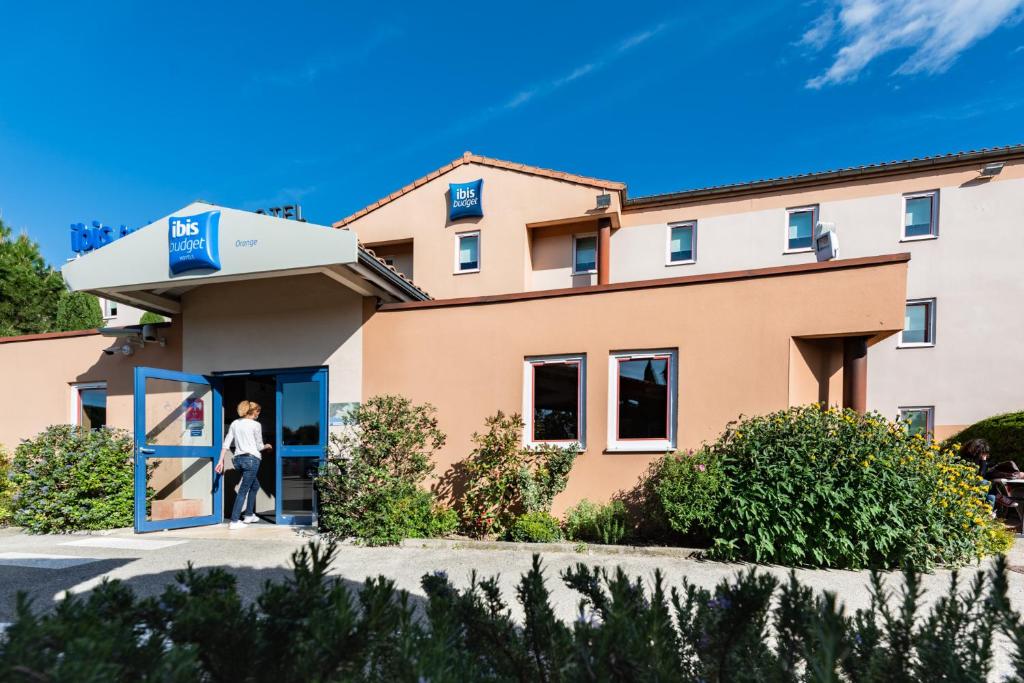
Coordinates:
467	252
554	396
800	223
682	243
919	323
921	215
919	420
89	405
584	254
109	308
642	398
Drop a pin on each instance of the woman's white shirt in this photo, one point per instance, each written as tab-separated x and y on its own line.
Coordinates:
247	435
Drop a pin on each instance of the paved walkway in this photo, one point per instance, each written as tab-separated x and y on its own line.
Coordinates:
47	566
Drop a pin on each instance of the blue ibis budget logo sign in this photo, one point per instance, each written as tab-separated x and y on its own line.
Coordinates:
465	199
192	242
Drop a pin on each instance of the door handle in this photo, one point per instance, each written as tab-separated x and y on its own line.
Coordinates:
147	451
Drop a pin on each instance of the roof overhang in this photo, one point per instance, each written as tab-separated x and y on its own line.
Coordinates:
135	269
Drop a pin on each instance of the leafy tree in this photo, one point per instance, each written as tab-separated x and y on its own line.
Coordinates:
78	311
30	290
149	318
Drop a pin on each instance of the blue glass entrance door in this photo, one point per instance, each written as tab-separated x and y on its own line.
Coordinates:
177	445
302	443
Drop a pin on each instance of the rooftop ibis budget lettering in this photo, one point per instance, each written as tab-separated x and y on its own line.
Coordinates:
465	199
192	242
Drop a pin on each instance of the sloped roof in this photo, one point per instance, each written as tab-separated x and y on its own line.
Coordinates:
470	158
986	154
395	272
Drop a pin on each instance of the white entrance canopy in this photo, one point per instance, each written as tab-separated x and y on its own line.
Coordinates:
136	269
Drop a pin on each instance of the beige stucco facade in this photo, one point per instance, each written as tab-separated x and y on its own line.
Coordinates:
40	373
733	339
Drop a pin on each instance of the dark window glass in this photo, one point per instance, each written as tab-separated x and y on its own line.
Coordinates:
586	254
643	398
556	408
94	408
300	413
297	475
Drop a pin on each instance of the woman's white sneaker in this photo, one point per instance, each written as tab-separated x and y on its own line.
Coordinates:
250	519
236	525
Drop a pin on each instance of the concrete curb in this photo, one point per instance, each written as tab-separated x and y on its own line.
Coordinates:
543	548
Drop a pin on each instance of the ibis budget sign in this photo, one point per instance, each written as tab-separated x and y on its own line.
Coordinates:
465	199
192	242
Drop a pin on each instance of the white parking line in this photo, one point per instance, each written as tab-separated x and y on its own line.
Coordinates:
123	543
40	561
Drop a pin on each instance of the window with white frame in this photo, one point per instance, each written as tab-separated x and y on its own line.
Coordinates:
584	254
800	222
682	243
89	405
919	420
467	252
554	398
109	308
921	215
918	323
642	400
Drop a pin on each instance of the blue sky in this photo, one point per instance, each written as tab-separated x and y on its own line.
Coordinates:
124	112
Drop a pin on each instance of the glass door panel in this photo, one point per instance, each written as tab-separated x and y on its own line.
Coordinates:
302	439
176	447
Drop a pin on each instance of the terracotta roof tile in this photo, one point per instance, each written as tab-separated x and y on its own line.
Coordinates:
394	270
470	158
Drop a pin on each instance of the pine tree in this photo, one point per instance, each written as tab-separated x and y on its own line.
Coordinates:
30	290
78	311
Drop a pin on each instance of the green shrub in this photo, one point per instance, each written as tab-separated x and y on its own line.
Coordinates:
505	479
535	527
70	479
314	627
685	491
1004	433
6	487
587	521
370	486
150	318
833	488
78	311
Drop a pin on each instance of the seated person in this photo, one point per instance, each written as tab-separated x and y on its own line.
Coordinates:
977	451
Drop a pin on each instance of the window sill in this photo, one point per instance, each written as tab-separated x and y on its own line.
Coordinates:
584	272
804	250
660	448
922	345
579	445
681	263
466	272
919	238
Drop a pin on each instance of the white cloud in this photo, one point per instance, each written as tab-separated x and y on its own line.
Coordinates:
935	31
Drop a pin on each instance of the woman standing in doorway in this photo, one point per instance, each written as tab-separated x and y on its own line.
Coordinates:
247	436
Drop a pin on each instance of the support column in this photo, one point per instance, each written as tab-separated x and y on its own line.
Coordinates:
855	373
604	250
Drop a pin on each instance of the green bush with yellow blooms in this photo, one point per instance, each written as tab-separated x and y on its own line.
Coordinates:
833	488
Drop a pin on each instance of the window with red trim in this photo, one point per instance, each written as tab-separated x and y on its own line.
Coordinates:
644	403
556	406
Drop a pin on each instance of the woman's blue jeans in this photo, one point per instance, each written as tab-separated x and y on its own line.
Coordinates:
249	466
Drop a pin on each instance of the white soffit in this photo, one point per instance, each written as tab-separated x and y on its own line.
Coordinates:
250	244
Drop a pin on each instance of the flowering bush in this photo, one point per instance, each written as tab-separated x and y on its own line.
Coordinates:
684	491
834	488
370	487
69	479
505	479
6	487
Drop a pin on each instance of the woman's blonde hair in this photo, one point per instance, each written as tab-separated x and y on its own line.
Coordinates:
247	408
